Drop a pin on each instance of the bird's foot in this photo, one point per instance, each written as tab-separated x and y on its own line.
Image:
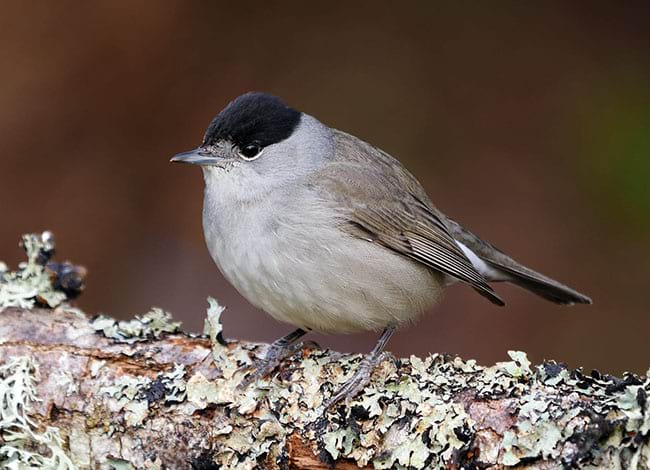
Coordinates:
359	380
275	354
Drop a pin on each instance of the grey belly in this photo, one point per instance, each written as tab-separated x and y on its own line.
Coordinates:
329	283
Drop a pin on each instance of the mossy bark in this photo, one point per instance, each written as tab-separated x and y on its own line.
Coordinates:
172	402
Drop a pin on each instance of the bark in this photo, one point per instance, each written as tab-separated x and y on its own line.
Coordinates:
141	395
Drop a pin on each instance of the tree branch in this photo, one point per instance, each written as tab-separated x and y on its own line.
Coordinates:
165	403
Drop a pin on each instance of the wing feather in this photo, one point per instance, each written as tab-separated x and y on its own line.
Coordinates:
426	244
381	202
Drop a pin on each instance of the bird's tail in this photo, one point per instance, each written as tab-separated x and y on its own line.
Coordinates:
537	283
497	266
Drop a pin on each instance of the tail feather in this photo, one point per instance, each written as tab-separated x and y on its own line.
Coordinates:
497	266
541	285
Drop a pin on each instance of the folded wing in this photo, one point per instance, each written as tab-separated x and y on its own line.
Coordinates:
384	204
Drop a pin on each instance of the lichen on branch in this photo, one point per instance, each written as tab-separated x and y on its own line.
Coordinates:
38	281
22	445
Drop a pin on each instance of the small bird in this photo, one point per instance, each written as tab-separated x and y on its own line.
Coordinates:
328	233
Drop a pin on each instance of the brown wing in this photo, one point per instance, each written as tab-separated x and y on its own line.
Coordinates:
383	203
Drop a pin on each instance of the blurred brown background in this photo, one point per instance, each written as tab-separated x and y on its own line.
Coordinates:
529	123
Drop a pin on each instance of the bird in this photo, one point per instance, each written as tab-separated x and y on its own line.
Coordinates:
328	233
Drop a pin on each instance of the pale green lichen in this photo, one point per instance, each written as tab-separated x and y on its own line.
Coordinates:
23	445
633	402
384	439
414	416
135	395
212	327
32	282
152	325
416	424
119	464
229	362
174	384
417	413
201	391
519	366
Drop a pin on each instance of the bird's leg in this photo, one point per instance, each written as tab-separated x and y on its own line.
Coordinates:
278	350
361	377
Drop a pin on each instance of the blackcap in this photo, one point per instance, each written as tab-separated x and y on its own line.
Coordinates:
328	233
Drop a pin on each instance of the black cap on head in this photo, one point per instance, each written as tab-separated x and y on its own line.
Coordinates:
253	118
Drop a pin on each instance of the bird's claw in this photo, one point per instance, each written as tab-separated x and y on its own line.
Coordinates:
272	359
359	380
257	372
309	344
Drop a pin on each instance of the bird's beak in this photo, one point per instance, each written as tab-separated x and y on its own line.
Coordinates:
198	156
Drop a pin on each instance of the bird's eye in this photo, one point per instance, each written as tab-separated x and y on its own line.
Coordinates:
250	152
